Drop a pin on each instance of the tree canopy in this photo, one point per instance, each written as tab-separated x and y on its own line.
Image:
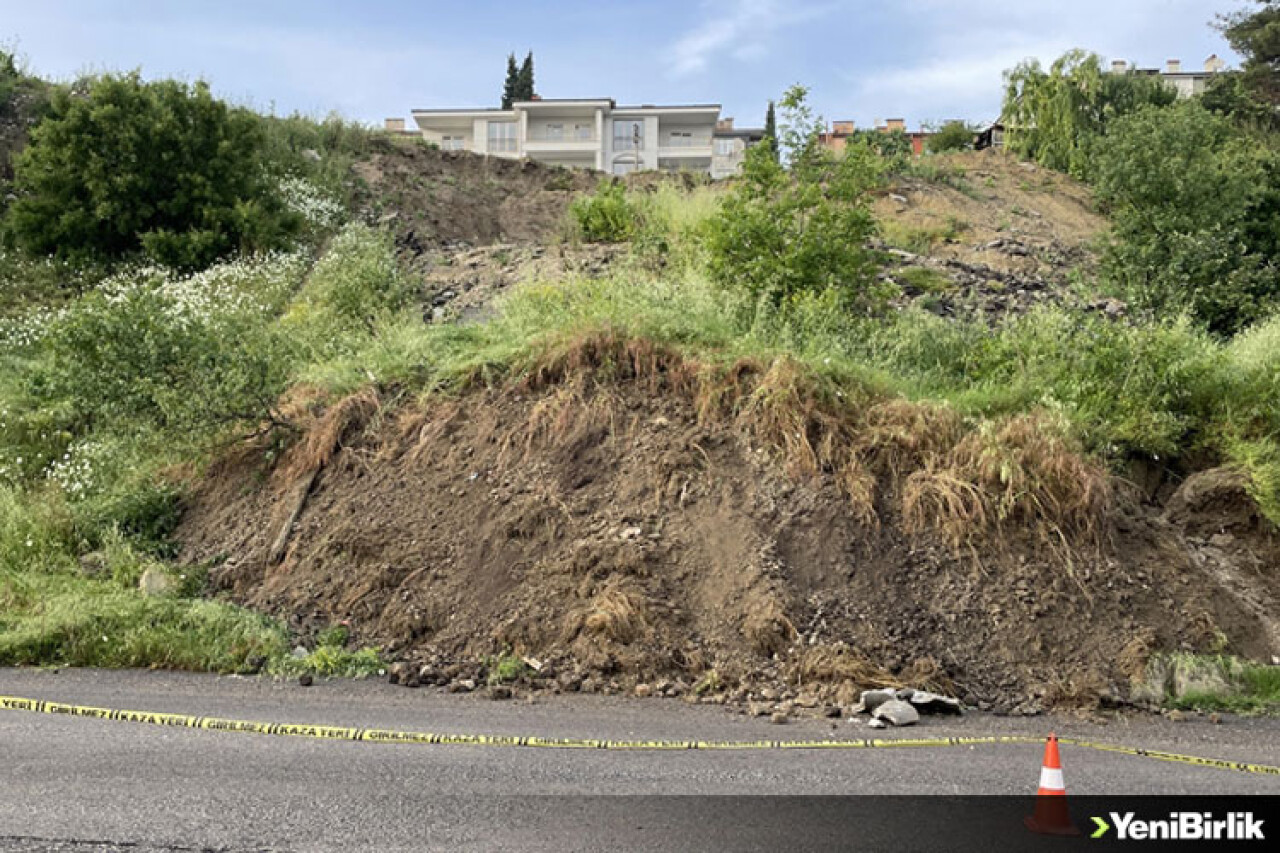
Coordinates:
1052	116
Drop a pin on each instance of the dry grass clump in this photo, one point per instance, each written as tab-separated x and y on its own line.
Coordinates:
607	356
899	436
325	435
618	612
1021	473
765	624
841	663
1132	660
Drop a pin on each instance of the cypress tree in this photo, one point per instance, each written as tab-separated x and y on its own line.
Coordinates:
509	87
524	80
771	131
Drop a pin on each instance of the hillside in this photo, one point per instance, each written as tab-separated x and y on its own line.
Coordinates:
861	421
633	528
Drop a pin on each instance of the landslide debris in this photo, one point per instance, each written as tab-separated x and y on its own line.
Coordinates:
636	522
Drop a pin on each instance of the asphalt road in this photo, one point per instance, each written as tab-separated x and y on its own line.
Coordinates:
82	784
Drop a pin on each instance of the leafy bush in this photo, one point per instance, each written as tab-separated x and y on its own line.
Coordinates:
606	216
160	168
780	233
952	136
1195	207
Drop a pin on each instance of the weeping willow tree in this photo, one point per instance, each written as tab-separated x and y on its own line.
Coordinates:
1053	116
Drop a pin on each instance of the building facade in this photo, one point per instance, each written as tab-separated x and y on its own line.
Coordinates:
729	147
1187	83
591	133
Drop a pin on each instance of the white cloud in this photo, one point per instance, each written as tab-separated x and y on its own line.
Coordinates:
740	28
949	79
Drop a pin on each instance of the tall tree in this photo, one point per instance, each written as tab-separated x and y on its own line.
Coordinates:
1053	116
512	81
524	80
1256	37
771	131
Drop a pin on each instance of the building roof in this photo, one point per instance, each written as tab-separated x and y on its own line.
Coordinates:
609	102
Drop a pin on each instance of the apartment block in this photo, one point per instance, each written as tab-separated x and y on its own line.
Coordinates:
591	133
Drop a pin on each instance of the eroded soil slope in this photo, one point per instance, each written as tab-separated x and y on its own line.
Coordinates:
620	534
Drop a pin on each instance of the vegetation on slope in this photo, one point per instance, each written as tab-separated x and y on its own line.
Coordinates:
119	384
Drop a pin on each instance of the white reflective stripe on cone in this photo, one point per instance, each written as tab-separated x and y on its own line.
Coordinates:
1051	778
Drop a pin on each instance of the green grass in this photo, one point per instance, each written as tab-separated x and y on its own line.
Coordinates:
921	239
924	279
506	668
1238	686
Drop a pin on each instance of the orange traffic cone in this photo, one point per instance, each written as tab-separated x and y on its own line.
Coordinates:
1051	817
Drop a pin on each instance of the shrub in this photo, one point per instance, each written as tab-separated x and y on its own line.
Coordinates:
196	351
781	233
1196	215
952	136
160	168
606	216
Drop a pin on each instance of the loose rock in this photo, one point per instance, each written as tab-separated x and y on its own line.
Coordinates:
931	703
872	699
897	712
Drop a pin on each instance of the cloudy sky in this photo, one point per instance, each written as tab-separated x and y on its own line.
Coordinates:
923	60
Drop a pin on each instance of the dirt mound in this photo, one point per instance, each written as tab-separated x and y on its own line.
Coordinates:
994	235
652	522
436	199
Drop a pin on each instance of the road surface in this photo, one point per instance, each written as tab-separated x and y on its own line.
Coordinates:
83	784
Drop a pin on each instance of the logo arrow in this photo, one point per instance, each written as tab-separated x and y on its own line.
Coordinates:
1103	826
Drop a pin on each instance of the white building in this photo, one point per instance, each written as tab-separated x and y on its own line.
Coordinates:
592	133
1187	83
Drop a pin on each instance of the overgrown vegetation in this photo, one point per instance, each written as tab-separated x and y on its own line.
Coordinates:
1214	683
151	342
952	136
1193	187
164	169
784	235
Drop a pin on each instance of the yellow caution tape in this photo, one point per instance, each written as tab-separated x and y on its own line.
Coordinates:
10	703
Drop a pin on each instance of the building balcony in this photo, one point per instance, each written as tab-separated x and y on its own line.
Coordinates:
543	143
685	151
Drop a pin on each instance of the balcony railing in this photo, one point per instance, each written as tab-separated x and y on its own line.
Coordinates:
686	142
562	137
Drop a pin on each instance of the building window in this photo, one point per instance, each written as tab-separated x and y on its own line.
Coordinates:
502	136
554	132
453	143
725	147
584	132
681	139
628	135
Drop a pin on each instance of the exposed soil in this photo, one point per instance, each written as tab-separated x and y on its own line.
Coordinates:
624	534
436	199
618	538
1003	235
